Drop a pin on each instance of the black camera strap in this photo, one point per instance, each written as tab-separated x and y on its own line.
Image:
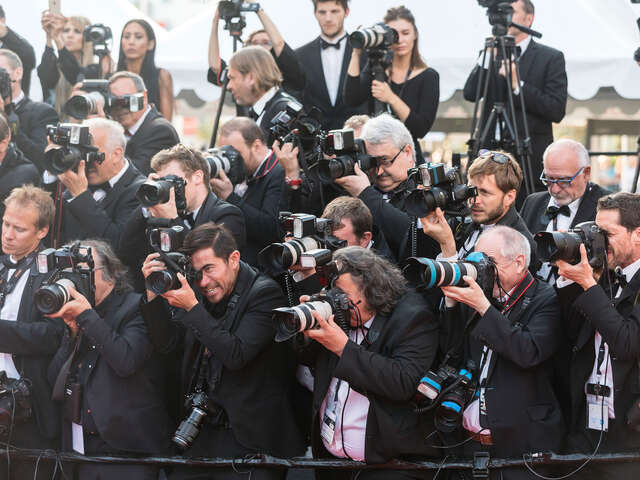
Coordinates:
65	370
7	285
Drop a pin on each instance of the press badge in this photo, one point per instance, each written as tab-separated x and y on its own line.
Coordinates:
597	416
328	426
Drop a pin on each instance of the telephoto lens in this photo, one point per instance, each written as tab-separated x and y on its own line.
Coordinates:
81	106
292	320
433	273
51	298
190	427
278	257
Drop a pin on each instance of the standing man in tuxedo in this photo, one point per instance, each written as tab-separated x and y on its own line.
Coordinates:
543	83
14	42
570	197
324	61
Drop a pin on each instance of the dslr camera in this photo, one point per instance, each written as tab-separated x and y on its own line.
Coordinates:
294	122
427	273
76	142
441	187
380	36
293	320
99	95
228	160
233	8
349	151
65	271
310	247
15	403
100	36
166	240
155	192
552	246
201	407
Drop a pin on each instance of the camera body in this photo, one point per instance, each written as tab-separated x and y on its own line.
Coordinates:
228	160
552	246
201	407
15	403
380	36
294	122
156	192
349	151
99	95
292	320
63	266
76	142
99	35
233	8
166	241
441	187
312	241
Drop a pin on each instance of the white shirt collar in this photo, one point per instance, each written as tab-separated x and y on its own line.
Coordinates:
262	163
18	99
630	270
524	44
258	107
133	129
113	180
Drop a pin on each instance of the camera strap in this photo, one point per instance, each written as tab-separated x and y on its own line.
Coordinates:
7	285
63	375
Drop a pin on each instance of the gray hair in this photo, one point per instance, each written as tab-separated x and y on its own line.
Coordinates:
14	60
113	270
567	144
514	243
134	77
384	128
114	132
381	281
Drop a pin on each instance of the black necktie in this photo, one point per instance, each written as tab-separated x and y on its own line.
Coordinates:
106	186
326	44
552	211
253	115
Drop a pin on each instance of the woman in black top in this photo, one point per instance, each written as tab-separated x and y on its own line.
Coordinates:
413	91
137	55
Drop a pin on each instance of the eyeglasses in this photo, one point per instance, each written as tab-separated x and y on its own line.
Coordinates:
383	162
561	182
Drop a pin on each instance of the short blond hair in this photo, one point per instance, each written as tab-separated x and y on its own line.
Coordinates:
28	195
258	61
508	175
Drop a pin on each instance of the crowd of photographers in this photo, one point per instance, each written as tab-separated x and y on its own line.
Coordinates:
311	281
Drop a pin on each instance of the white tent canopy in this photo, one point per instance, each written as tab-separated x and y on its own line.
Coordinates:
598	37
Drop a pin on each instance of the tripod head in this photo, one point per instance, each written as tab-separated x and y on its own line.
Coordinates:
500	13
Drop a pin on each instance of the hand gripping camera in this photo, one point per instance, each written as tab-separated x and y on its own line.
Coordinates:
64	267
552	246
349	151
76	142
291	321
156	192
166	240
440	188
311	246
228	160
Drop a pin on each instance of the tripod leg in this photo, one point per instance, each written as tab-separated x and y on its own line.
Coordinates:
637	171
216	123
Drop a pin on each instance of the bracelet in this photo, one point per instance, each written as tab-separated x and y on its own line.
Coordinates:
293	182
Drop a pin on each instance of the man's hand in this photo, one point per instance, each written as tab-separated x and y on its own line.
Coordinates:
222	186
76	182
382	91
472	295
581	273
514	76
287	155
184	297
72	309
436	226
327	333
354	184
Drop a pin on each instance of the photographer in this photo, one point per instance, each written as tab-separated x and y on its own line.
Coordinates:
366	376
603	325
258	196
229	353
21	47
511	332
412	93
33	117
201	204
111	373
27	340
271	40
99	195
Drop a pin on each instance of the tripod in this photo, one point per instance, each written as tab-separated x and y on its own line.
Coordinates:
500	49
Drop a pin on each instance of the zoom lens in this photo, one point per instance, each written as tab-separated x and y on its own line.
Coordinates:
331	168
81	106
154	193
293	320
432	273
60	160
51	298
278	257
189	429
552	246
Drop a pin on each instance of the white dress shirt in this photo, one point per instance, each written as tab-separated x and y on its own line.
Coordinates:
131	131
241	188
260	105
332	59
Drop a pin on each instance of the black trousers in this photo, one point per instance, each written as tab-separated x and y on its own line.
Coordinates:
220	442
28	436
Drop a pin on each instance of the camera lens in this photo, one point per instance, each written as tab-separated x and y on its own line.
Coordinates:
51	298
448	415
421	203
162	281
552	246
218	163
429	273
154	193
60	160
280	256
291	321
189	429
81	106
331	168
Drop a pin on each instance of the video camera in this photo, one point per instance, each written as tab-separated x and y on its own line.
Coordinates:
99	95
427	273
442	188
349	150
293	320
166	240
100	36
64	266
380	36
76	142
155	192
228	160
552	246
311	246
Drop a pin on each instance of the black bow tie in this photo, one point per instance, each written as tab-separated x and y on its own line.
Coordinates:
326	44
106	186
552	211
619	279
253	115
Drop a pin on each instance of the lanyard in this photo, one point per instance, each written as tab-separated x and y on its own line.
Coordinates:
6	287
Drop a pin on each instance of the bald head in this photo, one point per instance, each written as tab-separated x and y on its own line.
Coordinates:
564	159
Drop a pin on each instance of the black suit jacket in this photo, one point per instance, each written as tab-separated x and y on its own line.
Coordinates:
121	388
83	217
32	340
24	50
387	371
534	206
249	374
260	205
278	103
31	138
542	69
155	133
315	93
16	170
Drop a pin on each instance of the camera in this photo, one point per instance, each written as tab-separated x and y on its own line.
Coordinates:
310	235
228	160
166	241
293	320
5	84
233	8
427	273
99	35
349	152
76	142
552	246
99	95
441	187
15	403
380	36
64	266
188	430
294	122
155	192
